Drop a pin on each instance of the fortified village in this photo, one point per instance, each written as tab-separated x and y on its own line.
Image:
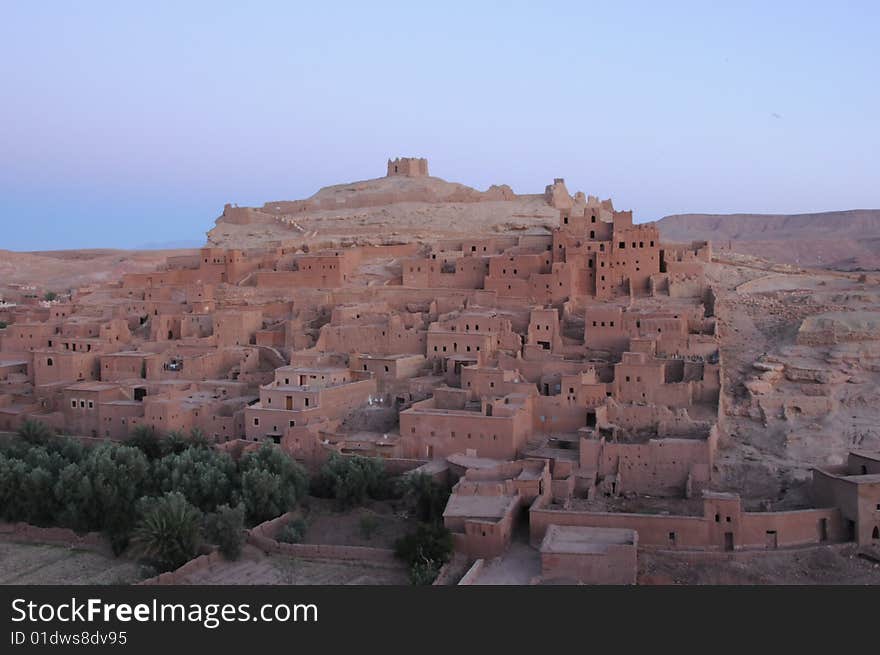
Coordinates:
562	367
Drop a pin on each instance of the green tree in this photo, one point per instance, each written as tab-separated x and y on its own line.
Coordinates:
50	296
271	483
119	476
225	527
206	477
351	480
427	497
169	533
2	325
198	439
35	432
12	476
425	551
146	439
74	495
174	442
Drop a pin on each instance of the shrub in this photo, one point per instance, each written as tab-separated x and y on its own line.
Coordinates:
50	296
292	533
225	527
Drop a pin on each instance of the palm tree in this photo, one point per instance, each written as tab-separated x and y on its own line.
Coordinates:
35	432
169	533
145	438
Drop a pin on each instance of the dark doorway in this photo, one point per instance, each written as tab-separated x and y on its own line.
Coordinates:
728	541
591	418
876	533
771	539
850	530
823	529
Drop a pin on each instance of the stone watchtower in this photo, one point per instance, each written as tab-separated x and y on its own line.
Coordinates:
408	167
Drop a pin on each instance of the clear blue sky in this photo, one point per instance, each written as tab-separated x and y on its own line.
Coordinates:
125	123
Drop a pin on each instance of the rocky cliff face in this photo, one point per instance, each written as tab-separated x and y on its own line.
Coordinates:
389	209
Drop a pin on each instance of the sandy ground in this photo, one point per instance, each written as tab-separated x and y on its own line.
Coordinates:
61	270
43	564
327	526
254	568
809	566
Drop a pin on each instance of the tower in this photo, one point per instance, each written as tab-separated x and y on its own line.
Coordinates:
408	167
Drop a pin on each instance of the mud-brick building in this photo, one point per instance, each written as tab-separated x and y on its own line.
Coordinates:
854	487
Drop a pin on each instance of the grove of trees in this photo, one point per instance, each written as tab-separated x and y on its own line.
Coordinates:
162	495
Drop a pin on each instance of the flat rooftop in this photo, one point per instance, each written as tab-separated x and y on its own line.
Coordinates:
858	453
585	540
478	507
313	369
473	462
870	478
92	386
396	357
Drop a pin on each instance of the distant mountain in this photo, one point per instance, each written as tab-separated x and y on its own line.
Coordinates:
845	240
172	245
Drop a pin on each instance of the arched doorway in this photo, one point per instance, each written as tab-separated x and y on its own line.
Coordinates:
876	533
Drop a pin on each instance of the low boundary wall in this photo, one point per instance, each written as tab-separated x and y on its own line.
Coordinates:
263	537
32	534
